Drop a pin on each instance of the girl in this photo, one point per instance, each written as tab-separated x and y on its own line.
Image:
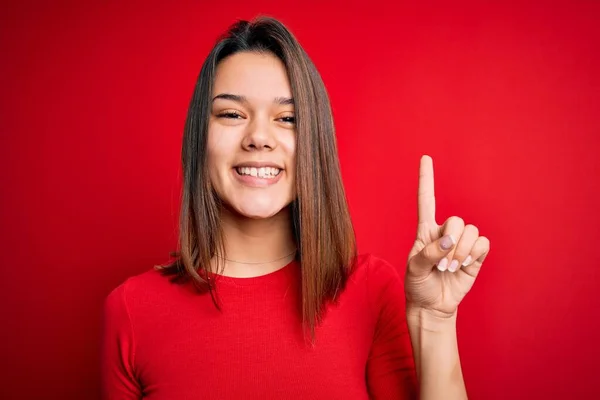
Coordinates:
267	298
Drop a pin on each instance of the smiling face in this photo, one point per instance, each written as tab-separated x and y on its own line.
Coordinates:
252	135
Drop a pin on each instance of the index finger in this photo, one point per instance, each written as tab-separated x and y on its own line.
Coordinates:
426	195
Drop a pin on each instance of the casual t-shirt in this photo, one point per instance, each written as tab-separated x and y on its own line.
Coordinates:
166	341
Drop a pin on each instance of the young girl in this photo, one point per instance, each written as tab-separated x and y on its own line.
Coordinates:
267	298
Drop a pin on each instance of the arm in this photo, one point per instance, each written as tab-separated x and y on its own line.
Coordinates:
118	350
442	267
435	348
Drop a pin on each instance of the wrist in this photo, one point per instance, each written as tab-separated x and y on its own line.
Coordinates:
432	320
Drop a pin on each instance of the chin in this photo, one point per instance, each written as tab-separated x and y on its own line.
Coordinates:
257	212
253	205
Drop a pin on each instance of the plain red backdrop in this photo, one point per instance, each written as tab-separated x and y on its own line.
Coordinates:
504	97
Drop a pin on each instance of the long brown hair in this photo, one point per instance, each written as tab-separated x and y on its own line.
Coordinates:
321	221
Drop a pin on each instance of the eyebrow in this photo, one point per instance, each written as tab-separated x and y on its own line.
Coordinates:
284	101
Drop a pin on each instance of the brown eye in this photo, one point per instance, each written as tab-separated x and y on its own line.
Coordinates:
230	115
288	120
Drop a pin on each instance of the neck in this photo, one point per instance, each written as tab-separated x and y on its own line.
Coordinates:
256	247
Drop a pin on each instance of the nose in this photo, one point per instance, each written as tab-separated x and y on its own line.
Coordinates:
259	136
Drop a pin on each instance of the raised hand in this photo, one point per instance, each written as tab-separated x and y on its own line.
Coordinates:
445	259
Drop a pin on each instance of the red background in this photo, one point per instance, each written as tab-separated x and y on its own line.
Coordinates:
504	97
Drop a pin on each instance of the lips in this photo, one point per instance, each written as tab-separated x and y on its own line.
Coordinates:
258	164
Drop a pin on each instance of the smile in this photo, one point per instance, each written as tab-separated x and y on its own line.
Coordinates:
262	172
257	176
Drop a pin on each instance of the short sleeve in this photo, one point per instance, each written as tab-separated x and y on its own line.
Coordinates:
390	368
118	350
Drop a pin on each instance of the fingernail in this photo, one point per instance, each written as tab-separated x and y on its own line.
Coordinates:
453	265
467	261
442	264
447	242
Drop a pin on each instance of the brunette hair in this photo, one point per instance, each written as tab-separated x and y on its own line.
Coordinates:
321	220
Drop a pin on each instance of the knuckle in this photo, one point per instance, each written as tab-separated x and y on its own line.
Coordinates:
427	252
456	220
430	253
485	242
473	229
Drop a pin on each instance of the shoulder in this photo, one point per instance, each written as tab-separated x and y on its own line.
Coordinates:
375	269
381	280
144	288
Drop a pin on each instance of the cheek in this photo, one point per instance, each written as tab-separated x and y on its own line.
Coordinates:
288	145
216	162
220	147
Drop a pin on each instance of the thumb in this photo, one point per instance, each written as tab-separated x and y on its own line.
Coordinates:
424	261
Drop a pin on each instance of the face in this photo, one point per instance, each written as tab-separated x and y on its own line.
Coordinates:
252	135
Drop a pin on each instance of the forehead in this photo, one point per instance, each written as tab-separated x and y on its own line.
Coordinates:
254	75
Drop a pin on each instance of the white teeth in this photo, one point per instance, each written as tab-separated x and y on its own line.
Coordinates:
262	172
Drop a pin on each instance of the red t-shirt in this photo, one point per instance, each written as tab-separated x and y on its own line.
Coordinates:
165	341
